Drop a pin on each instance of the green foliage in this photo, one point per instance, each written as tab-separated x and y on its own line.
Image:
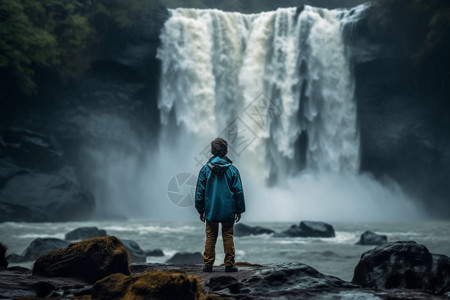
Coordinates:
58	35
22	45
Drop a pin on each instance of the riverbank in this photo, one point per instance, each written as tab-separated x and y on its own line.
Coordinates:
288	280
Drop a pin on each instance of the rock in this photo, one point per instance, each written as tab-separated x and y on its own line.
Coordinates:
15	258
135	251
89	260
404	134
9	170
83	233
154	252
36	183
403	265
17	282
42	197
3	258
150	285
241	229
309	229
220	283
185	258
37	248
281	281
33	150
371	238
43	288
275	281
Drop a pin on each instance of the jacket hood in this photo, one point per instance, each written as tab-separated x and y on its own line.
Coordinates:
219	165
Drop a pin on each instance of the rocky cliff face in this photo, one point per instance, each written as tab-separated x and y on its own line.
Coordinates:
46	170
49	144
403	117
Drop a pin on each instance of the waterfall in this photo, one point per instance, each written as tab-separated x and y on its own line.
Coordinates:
277	85
279	88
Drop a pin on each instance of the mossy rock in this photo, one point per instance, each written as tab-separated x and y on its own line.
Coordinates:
150	285
88	260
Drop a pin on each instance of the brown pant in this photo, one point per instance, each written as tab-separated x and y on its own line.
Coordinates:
212	231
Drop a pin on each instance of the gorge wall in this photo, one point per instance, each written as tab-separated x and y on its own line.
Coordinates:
60	145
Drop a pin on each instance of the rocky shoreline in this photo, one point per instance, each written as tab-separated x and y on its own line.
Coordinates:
99	268
404	134
288	280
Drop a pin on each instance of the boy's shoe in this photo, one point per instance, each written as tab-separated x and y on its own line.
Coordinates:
207	268
231	269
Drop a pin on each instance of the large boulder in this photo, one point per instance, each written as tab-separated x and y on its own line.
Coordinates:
241	229
37	182
37	248
276	281
309	229
89	260
83	233
371	238
135	251
403	265
150	285
154	252
44	197
186	258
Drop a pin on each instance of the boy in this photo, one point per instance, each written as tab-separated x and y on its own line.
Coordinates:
219	198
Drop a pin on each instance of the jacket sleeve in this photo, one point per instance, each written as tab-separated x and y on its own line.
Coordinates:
200	192
238	193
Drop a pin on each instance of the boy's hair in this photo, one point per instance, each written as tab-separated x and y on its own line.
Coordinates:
219	147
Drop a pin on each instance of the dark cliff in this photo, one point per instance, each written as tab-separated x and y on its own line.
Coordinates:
402	85
400	63
46	138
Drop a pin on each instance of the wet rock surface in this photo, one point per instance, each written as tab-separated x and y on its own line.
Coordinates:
403	122
403	265
283	280
37	248
83	233
371	238
18	282
88	260
241	229
149	285
308	229
37	183
154	252
181	258
135	251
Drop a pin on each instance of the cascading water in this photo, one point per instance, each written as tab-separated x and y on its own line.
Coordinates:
273	76
278	86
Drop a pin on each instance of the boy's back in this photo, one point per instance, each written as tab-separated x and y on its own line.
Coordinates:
219	198
219	183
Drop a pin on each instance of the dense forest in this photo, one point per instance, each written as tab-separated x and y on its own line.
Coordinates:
61	36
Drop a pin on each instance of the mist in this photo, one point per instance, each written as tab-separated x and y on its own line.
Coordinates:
262	82
138	187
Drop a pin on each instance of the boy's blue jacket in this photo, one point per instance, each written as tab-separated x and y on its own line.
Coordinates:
219	191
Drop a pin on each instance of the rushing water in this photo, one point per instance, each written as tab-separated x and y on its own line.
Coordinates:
279	87
334	256
281	78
